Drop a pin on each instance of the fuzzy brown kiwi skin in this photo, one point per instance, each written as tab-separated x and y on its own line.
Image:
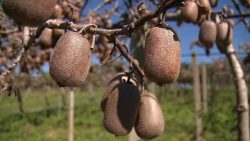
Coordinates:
162	55
70	60
121	105
58	11
29	12
150	120
205	3
45	39
57	33
213	3
207	34
224	35
189	12
114	81
245	3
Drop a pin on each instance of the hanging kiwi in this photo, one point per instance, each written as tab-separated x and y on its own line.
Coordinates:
189	12
71	59
75	15
213	3
45	39
205	3
58	11
162	55
150	120
57	33
207	34
245	3
29	12
120	104
204	9
224	35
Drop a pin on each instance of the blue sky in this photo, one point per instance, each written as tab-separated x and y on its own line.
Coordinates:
189	32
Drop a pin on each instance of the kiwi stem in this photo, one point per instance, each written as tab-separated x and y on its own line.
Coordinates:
129	58
237	7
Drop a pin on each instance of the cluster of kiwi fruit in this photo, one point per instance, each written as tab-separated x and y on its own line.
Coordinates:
35	12
71	58
125	107
194	10
210	32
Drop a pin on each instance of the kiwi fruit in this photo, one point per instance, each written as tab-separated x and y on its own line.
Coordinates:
189	12
120	105
66	9
29	12
150	119
205	3
207	34
224	35
75	16
58	11
213	3
70	60
57	33
162	57
245	3
45	39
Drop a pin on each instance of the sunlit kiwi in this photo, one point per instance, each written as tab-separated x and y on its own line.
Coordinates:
189	12
150	120
162	55
207	34
70	61
224	35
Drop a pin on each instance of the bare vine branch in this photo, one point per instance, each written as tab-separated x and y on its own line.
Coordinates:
126	30
237	7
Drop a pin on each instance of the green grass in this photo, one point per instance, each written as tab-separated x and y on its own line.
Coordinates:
49	123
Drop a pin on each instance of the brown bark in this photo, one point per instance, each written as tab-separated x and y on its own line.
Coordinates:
241	94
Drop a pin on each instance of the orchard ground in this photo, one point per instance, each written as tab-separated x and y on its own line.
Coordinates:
46	119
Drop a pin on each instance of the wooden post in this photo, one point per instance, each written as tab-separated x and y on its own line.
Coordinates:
241	94
71	115
47	105
197	98
204	87
20	101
